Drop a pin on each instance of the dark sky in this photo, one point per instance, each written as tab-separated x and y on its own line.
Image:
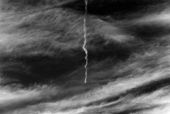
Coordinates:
42	60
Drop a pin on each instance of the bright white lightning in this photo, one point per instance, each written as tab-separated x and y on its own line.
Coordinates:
85	41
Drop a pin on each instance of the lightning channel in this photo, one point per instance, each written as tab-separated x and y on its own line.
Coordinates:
85	41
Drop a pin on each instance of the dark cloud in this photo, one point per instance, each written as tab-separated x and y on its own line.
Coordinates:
118	9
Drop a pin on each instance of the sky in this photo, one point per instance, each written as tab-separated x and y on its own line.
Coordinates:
42	58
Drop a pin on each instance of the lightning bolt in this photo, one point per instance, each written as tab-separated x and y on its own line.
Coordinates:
85	41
